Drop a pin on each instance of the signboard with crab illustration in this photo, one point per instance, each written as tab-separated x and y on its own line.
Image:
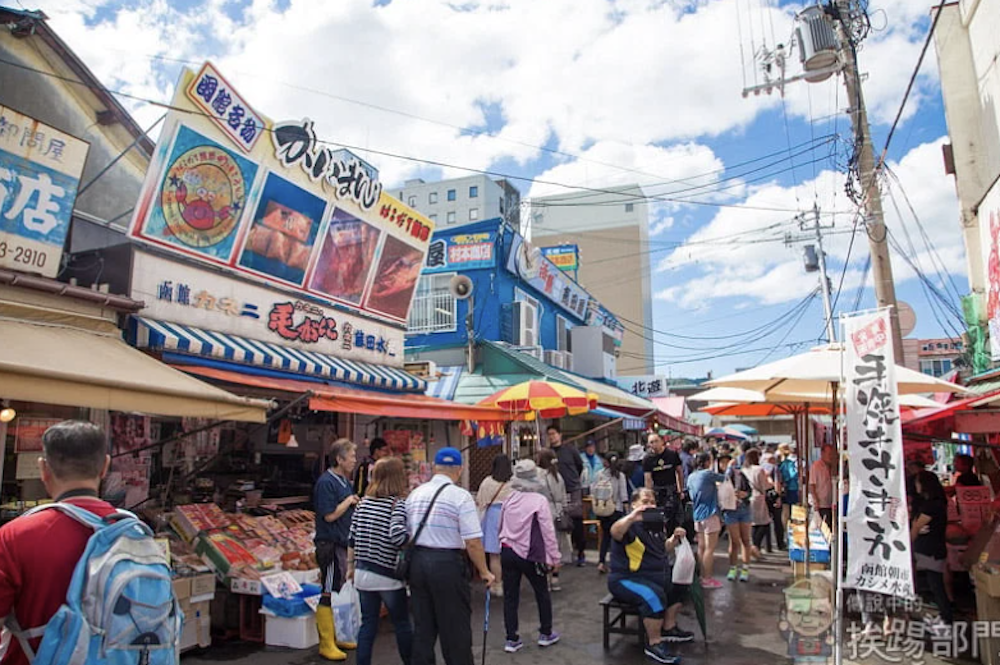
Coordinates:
272	202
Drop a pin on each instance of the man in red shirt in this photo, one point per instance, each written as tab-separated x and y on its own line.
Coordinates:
39	552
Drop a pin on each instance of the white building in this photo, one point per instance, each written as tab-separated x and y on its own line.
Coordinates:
463	200
611	229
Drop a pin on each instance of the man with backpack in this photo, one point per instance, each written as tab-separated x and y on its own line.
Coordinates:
41	551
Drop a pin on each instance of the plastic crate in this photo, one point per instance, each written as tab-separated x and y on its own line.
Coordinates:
295	632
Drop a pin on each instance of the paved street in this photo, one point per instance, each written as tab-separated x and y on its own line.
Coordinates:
742	620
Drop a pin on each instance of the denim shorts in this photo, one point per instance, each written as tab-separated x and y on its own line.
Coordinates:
739	516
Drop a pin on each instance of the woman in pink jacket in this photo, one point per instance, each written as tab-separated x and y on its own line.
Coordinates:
528	548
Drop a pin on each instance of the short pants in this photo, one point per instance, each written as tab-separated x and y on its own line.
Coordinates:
712	525
647	593
739	516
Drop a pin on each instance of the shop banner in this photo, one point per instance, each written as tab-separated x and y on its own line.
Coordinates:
179	293
564	257
526	261
40	169
29	432
878	527
645	385
226	186
467	251
989	236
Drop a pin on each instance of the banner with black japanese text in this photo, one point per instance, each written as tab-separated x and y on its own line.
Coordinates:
878	526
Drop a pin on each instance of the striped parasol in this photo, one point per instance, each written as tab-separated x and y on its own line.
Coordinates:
546	399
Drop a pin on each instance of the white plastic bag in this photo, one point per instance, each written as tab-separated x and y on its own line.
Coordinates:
683	572
346	605
727	495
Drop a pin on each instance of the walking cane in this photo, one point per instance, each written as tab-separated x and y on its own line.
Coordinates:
486	623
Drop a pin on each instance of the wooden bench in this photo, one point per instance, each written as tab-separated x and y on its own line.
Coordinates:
616	615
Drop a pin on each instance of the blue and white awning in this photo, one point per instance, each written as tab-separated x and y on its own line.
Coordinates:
151	334
446	383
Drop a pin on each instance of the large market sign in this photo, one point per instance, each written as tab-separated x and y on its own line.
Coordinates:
40	169
271	201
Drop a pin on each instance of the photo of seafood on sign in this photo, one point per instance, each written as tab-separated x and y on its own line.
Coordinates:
346	257
395	278
280	239
201	197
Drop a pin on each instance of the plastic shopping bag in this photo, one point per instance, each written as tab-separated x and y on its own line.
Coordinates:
346	605
727	495
683	572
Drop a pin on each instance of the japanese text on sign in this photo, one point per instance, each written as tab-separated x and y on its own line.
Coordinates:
40	169
222	103
878	556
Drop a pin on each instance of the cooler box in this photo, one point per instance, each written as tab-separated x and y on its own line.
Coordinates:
819	549
294	632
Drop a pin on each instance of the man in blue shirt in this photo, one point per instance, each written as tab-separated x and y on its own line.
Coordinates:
334	500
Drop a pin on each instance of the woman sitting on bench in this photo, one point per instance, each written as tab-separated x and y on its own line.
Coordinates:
640	574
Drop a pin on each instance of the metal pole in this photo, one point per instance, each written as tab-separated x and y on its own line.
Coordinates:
885	289
838	536
824	284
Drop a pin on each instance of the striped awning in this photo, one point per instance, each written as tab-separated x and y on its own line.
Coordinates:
159	335
444	384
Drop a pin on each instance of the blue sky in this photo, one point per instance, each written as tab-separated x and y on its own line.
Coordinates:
594	93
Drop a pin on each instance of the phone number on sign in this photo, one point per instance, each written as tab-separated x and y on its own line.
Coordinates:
22	255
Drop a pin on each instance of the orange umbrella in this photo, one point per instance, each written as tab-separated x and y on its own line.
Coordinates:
546	399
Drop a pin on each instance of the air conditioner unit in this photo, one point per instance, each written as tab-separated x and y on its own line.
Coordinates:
525	324
423	369
567	361
554	358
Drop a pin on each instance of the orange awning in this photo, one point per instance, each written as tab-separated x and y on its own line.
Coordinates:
349	400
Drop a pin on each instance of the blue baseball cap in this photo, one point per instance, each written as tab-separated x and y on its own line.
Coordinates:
448	457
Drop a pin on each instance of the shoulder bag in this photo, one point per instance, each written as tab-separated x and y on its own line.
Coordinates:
405	556
561	521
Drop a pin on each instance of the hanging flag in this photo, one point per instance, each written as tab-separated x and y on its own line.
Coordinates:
878	533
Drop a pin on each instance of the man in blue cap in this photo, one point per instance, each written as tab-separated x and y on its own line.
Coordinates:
439	573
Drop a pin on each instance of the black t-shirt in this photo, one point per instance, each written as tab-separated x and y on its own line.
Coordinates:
663	468
641	552
932	543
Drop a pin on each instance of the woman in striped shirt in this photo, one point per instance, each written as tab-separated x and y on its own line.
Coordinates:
378	532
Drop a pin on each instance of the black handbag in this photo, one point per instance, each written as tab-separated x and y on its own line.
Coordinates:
405	556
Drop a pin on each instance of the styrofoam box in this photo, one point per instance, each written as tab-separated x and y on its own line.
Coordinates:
296	632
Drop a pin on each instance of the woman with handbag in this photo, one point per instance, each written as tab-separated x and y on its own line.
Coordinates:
530	550
760	485
555	492
378	533
493	491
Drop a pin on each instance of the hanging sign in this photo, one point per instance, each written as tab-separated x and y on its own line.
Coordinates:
466	251
40	169
527	262
272	201
878	526
564	257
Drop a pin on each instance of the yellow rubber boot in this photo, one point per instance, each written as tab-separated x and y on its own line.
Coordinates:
327	634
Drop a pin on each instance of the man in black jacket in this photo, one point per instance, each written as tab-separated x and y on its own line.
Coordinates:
570	468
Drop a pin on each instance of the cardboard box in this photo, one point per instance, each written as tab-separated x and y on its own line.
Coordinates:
979	494
295	633
197	630
987	580
182	588
203	584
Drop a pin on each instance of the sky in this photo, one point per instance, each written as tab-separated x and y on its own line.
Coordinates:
596	93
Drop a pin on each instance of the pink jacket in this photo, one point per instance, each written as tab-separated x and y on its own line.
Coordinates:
515	524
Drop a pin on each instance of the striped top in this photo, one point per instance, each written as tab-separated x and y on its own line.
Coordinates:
453	520
378	531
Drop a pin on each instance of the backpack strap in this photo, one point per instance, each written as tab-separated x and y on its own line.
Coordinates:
84	516
24	637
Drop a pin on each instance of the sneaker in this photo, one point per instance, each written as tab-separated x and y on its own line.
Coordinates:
513	646
661	654
581	561
555	586
675	634
711	583
745	575
733	574
602	569
548	640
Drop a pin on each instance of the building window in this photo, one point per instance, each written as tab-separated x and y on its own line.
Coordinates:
564	341
451	194
521	296
936	367
434	307
473	214
412	201
451	217
473	191
434	217
432	197
629	207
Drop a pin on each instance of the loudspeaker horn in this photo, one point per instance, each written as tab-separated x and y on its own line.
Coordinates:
460	287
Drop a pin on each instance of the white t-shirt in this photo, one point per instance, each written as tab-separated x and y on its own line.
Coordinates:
821	478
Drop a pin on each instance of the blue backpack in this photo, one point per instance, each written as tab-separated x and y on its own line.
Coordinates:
120	607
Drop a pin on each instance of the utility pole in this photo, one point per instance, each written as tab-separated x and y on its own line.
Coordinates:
824	282
885	288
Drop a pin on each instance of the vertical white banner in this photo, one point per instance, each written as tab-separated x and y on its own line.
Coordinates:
878	533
